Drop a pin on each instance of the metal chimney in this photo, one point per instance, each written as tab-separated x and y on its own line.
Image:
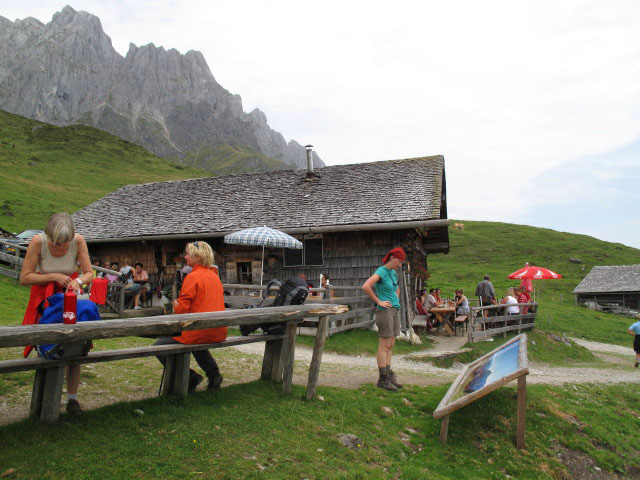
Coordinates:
309	159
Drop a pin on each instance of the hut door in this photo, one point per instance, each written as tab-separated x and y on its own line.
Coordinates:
244	273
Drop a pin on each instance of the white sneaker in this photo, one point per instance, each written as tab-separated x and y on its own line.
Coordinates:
138	308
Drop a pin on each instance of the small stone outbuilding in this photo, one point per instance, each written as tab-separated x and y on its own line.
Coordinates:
610	287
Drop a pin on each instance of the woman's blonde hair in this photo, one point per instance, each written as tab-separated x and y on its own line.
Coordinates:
201	252
511	292
60	228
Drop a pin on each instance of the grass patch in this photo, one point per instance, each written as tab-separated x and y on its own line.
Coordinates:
101	163
285	437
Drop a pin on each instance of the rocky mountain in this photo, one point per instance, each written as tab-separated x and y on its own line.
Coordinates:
67	72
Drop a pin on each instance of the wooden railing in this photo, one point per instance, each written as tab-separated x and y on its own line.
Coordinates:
360	314
497	321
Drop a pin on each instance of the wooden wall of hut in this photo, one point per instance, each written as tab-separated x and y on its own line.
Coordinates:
348	258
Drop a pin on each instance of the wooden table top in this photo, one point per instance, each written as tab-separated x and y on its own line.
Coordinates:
443	309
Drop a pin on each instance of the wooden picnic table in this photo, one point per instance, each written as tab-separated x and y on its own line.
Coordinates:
445	314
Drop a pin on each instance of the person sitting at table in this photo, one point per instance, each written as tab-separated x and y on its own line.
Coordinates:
462	303
523	297
511	302
436	295
420	310
113	278
428	304
129	285
141	277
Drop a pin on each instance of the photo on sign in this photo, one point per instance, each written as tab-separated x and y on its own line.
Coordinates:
500	364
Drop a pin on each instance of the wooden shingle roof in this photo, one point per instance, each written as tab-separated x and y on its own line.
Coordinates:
363	193
610	279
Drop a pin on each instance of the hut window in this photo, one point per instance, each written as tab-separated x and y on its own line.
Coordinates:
313	251
292	257
310	255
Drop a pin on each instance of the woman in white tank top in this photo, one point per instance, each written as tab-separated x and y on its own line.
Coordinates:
52	257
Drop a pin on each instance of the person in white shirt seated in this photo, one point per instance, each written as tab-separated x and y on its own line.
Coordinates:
511	302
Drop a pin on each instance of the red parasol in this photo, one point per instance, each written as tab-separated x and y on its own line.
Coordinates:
534	273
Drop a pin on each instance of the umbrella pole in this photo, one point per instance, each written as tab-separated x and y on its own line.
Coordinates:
262	266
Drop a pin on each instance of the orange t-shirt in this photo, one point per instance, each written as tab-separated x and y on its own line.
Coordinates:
201	292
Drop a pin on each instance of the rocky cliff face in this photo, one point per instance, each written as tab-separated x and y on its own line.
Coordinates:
68	72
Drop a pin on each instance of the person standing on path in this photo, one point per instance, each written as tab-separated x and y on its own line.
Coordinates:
634	330
387	298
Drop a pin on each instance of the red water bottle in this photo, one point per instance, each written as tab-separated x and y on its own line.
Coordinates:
70	307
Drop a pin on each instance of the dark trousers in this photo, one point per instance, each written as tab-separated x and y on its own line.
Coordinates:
203	357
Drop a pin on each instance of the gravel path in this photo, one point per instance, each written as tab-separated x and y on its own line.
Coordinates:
358	367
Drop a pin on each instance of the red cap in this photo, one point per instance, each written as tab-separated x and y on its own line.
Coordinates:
397	252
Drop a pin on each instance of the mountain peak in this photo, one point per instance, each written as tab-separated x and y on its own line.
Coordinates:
68	72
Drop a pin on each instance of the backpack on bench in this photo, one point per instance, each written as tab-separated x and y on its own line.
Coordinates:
86	311
292	292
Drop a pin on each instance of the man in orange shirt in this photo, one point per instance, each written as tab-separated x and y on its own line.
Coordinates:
201	292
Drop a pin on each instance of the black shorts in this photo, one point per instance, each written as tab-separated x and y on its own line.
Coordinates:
636	343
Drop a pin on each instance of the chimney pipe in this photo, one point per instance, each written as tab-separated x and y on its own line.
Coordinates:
309	159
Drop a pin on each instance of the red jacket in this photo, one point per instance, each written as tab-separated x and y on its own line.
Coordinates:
201	292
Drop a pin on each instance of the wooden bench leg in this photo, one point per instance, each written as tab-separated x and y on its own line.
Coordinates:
176	374
287	358
318	348
267	361
276	365
47	390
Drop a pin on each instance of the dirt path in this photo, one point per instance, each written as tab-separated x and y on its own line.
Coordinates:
351	371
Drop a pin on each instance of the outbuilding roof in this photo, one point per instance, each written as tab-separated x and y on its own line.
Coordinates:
364	193
611	279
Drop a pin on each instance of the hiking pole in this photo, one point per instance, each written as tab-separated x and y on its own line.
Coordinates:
164	369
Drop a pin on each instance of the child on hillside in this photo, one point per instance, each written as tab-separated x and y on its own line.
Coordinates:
634	330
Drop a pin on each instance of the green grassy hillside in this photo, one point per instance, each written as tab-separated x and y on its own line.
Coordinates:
228	160
498	249
46	169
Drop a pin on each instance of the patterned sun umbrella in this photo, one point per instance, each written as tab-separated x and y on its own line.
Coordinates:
264	237
534	273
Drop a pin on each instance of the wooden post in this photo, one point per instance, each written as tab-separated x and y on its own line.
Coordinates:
287	358
47	390
180	380
444	429
522	411
318	348
169	374
276	365
472	324
267	359
121	302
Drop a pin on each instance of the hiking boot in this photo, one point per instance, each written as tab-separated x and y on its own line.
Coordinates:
393	379
195	379
384	382
73	406
214	382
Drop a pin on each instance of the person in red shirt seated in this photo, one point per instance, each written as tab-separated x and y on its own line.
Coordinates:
523	297
201	292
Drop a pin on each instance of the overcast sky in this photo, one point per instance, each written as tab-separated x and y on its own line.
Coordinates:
535	105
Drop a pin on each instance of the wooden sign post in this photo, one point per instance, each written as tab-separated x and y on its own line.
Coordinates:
486	374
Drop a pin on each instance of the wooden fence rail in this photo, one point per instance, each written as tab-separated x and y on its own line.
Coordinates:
497	322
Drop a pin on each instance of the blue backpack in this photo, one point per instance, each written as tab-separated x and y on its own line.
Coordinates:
86	311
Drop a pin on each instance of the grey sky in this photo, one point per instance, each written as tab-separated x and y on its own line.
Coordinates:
535	105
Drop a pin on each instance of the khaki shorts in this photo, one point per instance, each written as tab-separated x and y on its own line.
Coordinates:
388	322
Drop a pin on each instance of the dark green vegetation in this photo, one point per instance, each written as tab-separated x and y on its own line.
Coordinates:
227	159
54	169
251	431
498	249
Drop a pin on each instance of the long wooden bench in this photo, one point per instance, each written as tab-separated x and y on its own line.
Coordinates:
277	364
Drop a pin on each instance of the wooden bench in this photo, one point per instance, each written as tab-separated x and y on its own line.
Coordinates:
277	364
460	320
